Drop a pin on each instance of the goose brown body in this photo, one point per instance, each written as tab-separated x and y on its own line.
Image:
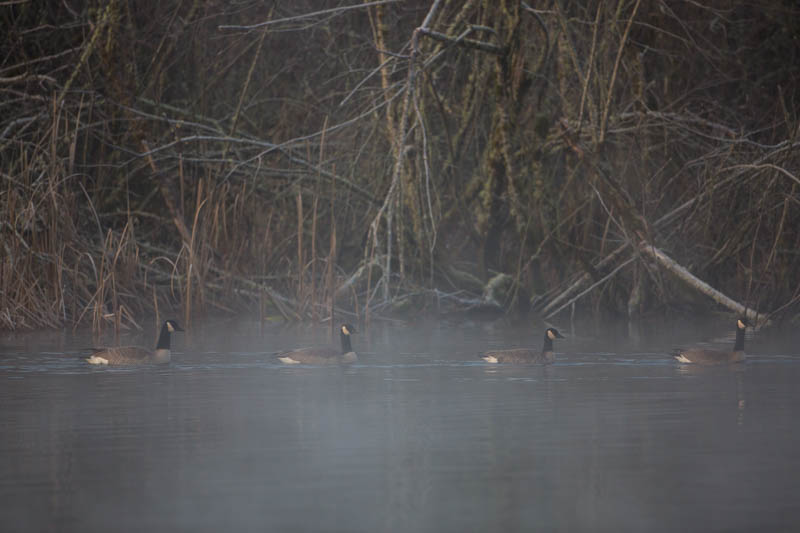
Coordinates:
526	355
701	356
325	355
134	355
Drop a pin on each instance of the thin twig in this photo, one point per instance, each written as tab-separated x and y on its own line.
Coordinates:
334	10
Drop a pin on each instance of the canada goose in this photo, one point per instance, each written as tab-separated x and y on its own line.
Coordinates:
700	356
326	355
133	355
526	355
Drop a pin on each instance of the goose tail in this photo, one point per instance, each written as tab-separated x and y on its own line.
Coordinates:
680	356
489	358
96	360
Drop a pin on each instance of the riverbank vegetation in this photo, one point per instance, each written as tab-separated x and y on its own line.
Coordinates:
289	158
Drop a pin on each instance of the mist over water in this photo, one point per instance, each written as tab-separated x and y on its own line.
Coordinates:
420	435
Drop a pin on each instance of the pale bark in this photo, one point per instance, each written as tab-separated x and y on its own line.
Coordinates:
696	283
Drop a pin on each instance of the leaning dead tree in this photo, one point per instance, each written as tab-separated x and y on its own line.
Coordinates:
594	134
696	283
640	236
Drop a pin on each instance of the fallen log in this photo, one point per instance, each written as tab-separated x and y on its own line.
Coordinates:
696	283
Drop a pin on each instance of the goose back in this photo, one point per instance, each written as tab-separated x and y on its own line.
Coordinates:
133	355
526	355
519	355
325	355
701	356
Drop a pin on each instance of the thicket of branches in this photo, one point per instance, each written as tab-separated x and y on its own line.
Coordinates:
288	157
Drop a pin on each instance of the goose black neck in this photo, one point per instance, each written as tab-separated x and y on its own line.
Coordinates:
548	343
739	346
346	346
163	338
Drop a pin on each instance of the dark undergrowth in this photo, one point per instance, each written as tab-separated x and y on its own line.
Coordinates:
308	159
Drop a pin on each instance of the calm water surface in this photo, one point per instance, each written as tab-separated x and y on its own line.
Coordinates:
419	436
